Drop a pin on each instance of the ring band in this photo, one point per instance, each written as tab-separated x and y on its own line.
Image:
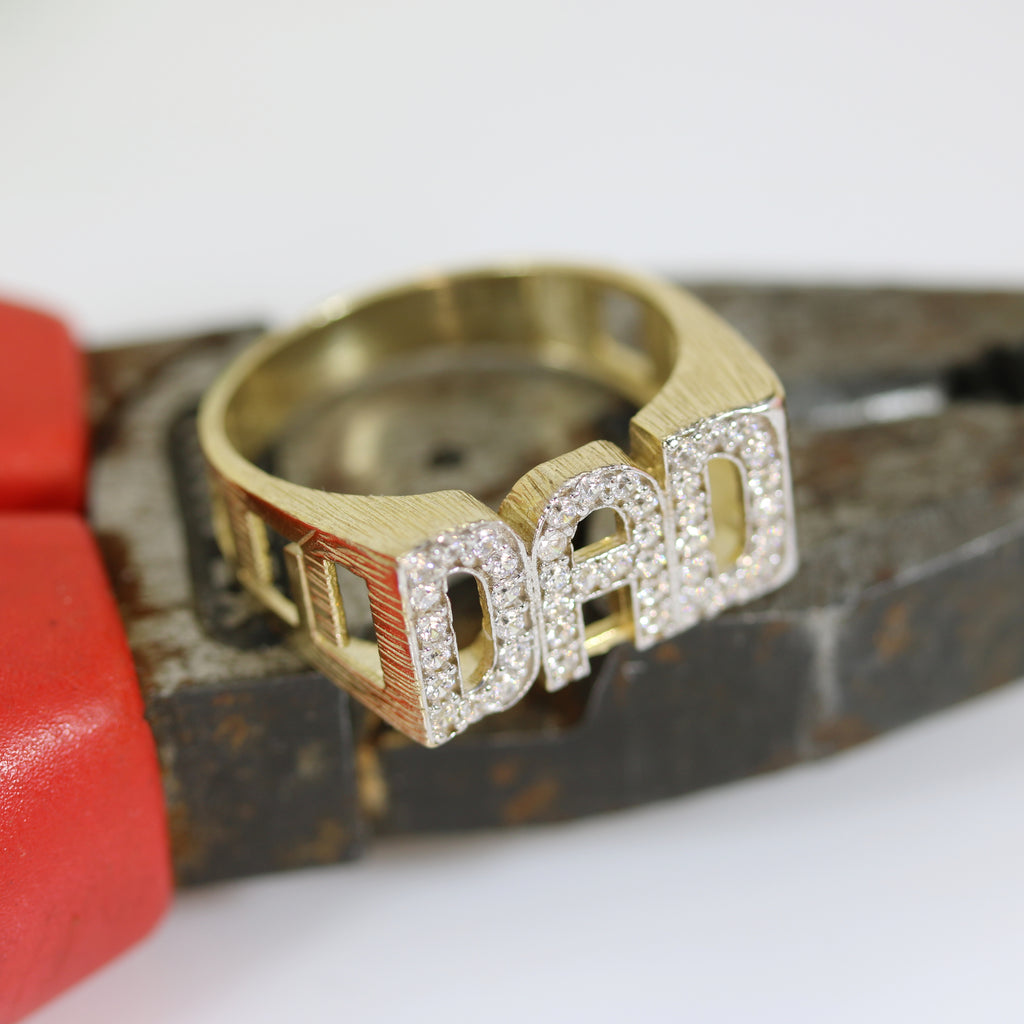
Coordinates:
703	500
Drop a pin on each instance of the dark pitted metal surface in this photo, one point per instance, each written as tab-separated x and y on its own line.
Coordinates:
909	597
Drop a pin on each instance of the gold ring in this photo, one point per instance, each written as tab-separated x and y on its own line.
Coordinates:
703	501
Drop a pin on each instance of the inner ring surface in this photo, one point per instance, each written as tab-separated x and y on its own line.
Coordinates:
578	343
475	422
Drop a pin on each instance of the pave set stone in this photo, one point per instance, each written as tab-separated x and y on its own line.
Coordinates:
533	604
496	557
752	443
639	561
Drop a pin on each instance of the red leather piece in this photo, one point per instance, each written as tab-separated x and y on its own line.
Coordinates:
42	422
84	863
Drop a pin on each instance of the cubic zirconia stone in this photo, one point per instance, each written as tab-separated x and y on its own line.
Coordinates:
620	561
446	726
517	654
473	710
647	533
444	556
560	632
561	666
655	621
551	545
655	593
649	502
689	486
505	690
504	563
432	629
508	591
756	451
555	575
417	563
587	493
587	578
442	684
484	544
650	565
561	610
692	509
434	657
512	620
716	596
424	597
618	490
696	570
560	515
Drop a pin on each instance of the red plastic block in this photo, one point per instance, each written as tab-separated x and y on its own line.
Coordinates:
84	863
42	421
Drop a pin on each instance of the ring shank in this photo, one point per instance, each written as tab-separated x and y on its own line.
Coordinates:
704	396
562	319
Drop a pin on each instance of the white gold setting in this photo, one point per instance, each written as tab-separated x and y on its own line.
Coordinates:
507	658
662	556
637	559
755	441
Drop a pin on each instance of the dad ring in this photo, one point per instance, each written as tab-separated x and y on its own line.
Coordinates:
702	503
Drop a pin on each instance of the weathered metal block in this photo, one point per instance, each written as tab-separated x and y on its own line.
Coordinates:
909	598
642	733
923	645
260	776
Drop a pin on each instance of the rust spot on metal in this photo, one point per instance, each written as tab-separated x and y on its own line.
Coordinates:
124	579
327	846
667	654
530	804
840	733
767	639
780	759
189	850
504	773
894	636
234	730
311	760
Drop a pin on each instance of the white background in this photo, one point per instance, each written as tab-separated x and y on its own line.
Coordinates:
170	165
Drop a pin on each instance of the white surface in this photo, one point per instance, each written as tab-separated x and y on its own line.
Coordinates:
163	165
883	885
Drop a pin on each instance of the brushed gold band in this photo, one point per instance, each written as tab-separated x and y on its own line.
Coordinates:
707	401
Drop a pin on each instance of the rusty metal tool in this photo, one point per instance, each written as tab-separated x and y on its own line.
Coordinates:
909	473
